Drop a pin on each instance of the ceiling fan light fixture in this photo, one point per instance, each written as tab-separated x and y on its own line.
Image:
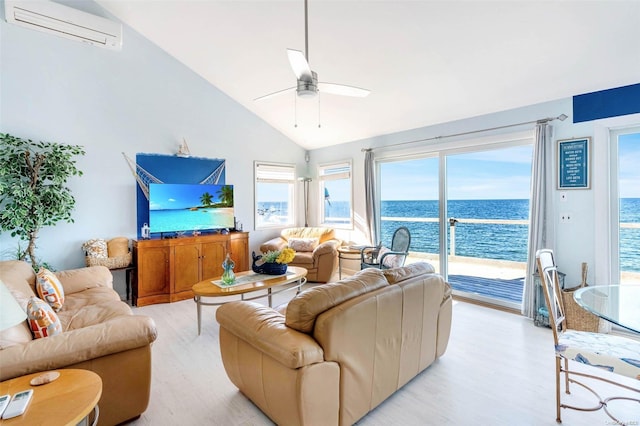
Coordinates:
308	89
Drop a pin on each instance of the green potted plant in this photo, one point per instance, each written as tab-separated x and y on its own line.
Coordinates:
33	191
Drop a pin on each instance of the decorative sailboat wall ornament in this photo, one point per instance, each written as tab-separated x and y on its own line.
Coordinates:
183	149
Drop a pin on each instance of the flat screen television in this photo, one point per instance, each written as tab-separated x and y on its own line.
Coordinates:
189	207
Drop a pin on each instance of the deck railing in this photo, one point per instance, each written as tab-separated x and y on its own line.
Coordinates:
453	221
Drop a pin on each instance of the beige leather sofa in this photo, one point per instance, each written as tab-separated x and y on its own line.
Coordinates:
321	261
99	334
341	348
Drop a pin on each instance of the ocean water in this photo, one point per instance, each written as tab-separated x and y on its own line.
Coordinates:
489	241
184	219
502	242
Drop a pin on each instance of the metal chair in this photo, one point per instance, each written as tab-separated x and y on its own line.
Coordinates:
383	258
612	353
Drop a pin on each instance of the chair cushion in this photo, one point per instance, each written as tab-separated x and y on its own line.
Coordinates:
390	261
303	244
613	353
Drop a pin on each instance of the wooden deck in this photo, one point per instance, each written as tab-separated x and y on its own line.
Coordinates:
509	290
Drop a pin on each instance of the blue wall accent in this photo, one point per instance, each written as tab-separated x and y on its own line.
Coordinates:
606	103
172	169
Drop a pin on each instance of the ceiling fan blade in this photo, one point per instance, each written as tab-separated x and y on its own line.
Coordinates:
343	90
270	95
299	65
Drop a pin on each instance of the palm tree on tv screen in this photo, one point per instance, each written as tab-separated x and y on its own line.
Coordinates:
206	199
226	196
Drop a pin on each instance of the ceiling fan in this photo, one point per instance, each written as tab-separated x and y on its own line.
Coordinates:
308	85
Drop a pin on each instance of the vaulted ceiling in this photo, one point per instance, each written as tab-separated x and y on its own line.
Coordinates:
425	62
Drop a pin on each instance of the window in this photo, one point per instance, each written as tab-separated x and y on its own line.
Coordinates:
468	213
626	143
335	192
274	195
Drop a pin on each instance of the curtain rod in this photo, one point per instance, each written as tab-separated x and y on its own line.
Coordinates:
561	117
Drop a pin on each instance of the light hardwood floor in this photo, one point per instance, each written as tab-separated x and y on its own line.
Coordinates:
498	370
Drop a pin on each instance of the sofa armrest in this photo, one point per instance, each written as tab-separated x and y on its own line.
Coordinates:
274	244
75	346
329	246
75	280
264	329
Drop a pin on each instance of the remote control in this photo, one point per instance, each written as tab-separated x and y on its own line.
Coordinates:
4	401
18	404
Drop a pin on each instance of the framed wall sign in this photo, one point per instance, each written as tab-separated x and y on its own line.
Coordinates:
574	158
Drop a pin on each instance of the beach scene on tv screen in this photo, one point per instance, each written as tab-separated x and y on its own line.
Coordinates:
184	207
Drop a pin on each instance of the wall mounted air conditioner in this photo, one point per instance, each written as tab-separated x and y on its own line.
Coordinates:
64	21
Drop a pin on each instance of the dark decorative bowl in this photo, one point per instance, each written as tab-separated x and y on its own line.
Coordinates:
267	268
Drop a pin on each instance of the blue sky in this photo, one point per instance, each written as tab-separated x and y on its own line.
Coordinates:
496	174
629	165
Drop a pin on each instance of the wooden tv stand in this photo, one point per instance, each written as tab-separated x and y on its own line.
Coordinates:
168	268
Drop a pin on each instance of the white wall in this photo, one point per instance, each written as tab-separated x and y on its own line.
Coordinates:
577	242
138	100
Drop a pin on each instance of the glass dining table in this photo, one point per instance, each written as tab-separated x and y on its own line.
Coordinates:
619	304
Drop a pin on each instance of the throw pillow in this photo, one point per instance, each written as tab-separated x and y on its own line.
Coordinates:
43	321
303	244
50	288
391	260
97	248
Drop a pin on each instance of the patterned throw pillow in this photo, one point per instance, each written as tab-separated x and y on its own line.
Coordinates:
97	248
390	261
49	288
303	244
43	321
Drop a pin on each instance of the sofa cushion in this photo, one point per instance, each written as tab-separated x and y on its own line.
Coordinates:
92	314
76	280
305	307
303	258
18	275
92	296
323	234
403	273
43	321
49	288
303	244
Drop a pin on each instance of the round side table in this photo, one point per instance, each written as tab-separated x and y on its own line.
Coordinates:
346	253
68	400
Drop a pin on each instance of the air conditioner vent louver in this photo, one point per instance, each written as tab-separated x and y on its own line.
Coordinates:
65	22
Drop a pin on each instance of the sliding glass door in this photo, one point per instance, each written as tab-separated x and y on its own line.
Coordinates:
409	197
472	205
627	144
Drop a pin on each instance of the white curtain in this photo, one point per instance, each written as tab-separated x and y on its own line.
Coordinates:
370	196
541	233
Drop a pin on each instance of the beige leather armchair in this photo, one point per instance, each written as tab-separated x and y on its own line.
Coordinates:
340	349
99	334
319	259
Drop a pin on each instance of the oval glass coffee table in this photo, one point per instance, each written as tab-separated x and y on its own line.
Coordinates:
248	282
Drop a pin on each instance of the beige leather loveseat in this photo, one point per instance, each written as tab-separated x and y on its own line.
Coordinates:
341	348
316	250
99	334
